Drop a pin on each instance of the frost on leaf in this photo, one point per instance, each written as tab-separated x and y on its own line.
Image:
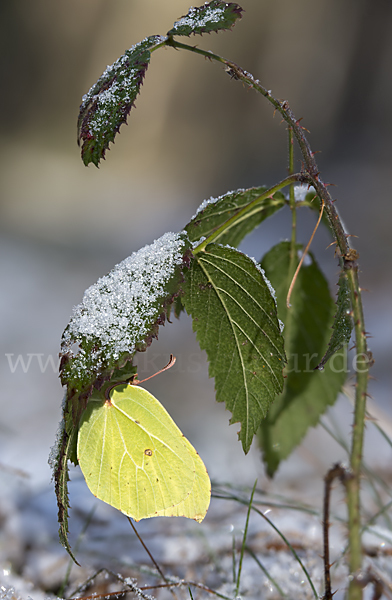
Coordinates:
212	16
107	104
301	191
214	212
120	314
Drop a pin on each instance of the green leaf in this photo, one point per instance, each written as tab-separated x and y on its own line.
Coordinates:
177	308
307	393
343	322
58	460
215	212
107	104
120	315
212	16
234	316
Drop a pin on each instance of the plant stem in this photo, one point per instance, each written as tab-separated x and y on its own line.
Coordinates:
339	471
347	258
353	484
311	172
292	201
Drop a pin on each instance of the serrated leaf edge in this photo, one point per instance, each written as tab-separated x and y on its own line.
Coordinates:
61	477
177	24
203	257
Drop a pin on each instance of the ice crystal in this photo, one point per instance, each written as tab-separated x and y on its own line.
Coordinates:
194	20
301	191
55	450
117	67
212	16
117	312
199	241
107	104
213	200
107	101
264	276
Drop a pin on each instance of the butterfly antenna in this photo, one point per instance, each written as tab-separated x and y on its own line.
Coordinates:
168	366
303	257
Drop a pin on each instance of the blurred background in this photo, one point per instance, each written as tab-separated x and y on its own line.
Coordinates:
194	133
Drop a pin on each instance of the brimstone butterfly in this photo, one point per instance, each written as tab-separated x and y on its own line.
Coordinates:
134	457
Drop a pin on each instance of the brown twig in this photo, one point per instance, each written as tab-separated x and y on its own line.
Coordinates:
337	471
154	562
303	256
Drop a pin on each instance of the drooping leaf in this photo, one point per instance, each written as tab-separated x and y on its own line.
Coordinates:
307	393
107	104
58	460
65	451
134	457
234	316
214	212
212	16
120	315
343	322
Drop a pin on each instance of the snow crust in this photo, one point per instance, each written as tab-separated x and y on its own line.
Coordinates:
264	276
213	200
301	191
195	20
123	85
108	100
116	67
117	312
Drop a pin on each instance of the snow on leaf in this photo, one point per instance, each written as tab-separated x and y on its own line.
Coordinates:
214	212
107	104
121	313
212	16
302	190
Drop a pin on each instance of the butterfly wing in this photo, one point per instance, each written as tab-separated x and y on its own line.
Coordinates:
134	457
195	505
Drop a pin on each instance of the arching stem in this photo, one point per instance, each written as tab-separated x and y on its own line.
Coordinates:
347	259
